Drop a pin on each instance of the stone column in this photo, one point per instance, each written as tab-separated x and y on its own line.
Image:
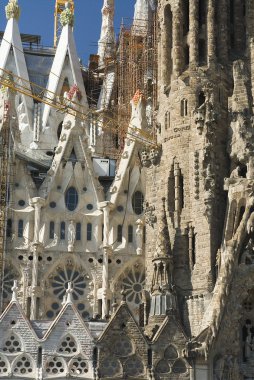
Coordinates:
105	281
239	28
177	174
211	41
106	252
37	203
177	42
191	236
193	34
223	35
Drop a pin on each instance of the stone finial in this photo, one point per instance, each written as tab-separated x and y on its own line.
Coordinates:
67	16
12	10
69	292
106	43
14	291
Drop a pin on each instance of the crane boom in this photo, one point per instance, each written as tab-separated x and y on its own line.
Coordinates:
42	95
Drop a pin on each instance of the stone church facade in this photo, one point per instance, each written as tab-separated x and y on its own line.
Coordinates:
140	267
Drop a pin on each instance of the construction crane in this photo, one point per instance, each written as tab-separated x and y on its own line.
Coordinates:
59	7
42	95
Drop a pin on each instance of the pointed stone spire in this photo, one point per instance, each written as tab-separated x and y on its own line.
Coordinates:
12	10
14	289
163	260
66	55
107	38
12	55
163	248
142	15
163	300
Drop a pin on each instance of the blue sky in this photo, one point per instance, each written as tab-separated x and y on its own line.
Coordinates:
37	17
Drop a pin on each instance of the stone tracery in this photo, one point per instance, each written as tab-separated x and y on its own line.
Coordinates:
57	284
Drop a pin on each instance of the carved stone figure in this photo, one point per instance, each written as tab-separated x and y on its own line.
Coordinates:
139	237
248	253
71	236
236	172
138	114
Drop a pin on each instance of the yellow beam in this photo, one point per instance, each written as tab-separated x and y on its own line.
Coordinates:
42	95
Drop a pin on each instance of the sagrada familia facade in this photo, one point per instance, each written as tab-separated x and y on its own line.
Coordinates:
140	265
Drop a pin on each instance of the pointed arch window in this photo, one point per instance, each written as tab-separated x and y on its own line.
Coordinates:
9	228
23	366
89	231
71	199
5	366
78	366
12	344
68	346
20	228
137	202
51	230
130	234
78	231
184	107
62	231
119	233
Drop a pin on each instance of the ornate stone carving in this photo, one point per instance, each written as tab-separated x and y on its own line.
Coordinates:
196	174
67	16
150	157
248	253
150	217
205	115
71	236
12	10
139	237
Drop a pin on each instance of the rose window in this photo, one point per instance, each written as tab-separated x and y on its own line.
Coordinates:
134	367
78	366
4	365
55	366
133	284
110	367
23	366
12	345
58	284
68	346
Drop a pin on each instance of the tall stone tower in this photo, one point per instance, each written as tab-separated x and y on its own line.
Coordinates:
205	121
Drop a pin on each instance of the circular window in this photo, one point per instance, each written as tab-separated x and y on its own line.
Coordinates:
71	198
52	204
134	284
137	202
22	203
89	206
